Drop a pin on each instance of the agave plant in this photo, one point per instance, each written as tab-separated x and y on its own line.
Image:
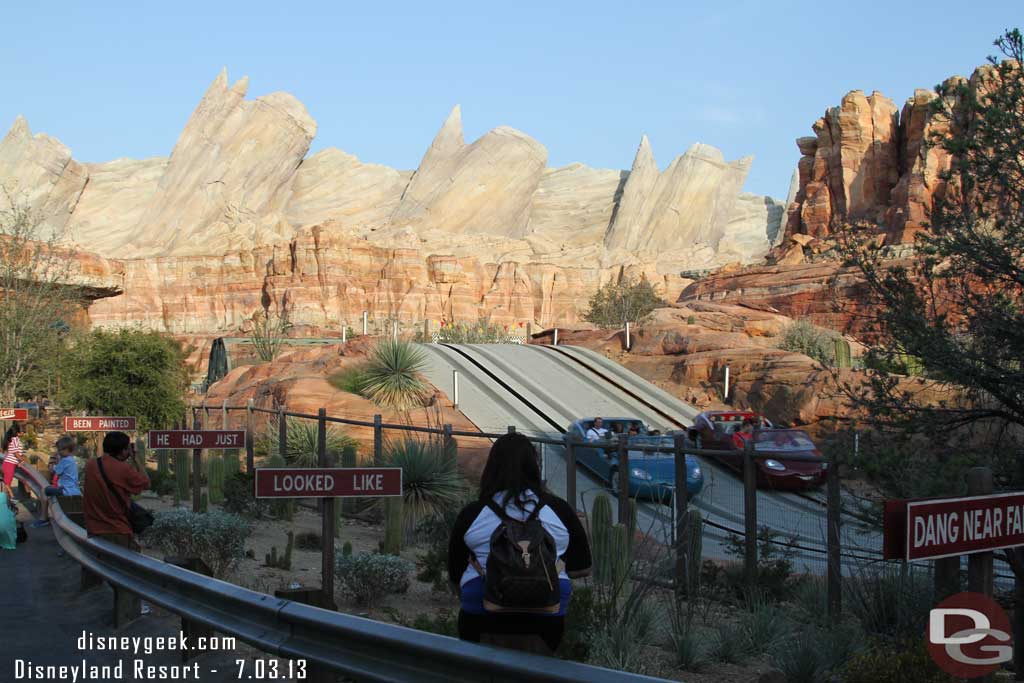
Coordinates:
392	378
301	449
431	483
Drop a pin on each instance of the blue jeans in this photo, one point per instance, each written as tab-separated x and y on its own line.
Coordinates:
472	597
54	491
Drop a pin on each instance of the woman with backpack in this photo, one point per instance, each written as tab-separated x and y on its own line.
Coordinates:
513	552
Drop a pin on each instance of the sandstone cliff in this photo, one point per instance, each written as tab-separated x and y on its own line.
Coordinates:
870	161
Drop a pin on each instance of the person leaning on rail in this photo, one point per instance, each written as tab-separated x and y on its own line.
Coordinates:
512	502
65	477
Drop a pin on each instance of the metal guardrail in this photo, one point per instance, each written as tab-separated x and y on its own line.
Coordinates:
363	649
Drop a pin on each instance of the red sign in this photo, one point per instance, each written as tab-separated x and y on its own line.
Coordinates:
99	424
220	438
335	482
16	414
930	529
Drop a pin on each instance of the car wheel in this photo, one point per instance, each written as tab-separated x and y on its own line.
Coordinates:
613	481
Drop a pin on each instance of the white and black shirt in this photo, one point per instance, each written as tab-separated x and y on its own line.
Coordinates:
597	434
471	536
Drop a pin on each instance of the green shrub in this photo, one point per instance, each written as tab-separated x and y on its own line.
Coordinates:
483	331
302	442
161	483
686	646
730	644
882	662
893	362
308	540
431	483
393	378
890	602
774	567
815	342
580	623
367	577
434	531
351	379
238	494
217	538
616	303
445	623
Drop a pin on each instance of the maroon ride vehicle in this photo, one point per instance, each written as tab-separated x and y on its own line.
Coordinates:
721	430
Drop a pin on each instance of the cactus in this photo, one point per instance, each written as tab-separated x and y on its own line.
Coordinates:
600	528
619	560
216	479
691	320
631	530
182	465
232	463
163	462
346	550
694	545
392	543
284	508
842	353
283	561
140	449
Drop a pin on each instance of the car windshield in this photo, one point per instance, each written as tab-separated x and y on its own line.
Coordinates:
666	443
782	441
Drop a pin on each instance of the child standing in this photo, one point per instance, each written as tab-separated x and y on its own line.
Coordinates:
11	446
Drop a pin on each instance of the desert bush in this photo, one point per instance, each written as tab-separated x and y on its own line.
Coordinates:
367	577
617	644
302	443
774	567
393	378
483	331
617	303
890	602
763	626
730	644
238	494
308	540
434	531
580	623
882	662
217	538
431	483
351	379
686	646
445	623
815	342
161	483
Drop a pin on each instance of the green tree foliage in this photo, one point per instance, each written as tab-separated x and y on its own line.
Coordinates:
617	303
35	304
127	372
815	342
392	378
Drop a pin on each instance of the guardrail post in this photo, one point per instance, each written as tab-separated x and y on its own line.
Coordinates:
681	497
570	469
979	565
750	514
627	335
193	630
378	440
344	333
623	464
554	340
455	388
835	576
127	606
197	473
328	516
250	438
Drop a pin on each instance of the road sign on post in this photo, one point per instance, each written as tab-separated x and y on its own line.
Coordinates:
197	439
16	414
328	482
99	424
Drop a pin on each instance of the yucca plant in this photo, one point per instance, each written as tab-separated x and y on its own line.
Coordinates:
431	483
392	378
301	449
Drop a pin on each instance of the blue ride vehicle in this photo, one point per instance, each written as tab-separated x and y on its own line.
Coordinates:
652	475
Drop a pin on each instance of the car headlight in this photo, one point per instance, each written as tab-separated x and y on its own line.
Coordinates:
638	473
774	465
695	473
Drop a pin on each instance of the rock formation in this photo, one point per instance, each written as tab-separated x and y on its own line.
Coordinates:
239	216
869	162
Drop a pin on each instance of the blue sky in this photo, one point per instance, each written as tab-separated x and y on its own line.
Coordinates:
586	79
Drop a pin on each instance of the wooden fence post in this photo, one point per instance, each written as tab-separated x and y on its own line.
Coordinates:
681	500
835	575
570	469
327	514
623	464
979	565
224	414
378	440
750	514
282	432
250	438
197	472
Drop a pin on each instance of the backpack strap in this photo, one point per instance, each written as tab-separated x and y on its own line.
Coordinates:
504	516
99	463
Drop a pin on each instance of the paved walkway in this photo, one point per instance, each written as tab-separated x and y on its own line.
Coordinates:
43	614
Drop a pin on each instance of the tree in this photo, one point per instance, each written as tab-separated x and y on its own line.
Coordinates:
36	299
127	373
268	334
958	311
616	303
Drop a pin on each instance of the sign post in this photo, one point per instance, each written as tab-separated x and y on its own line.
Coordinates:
198	440
326	513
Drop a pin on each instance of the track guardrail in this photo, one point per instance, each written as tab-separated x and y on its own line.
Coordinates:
363	649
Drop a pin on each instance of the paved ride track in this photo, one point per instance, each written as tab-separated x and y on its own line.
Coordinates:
542	389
